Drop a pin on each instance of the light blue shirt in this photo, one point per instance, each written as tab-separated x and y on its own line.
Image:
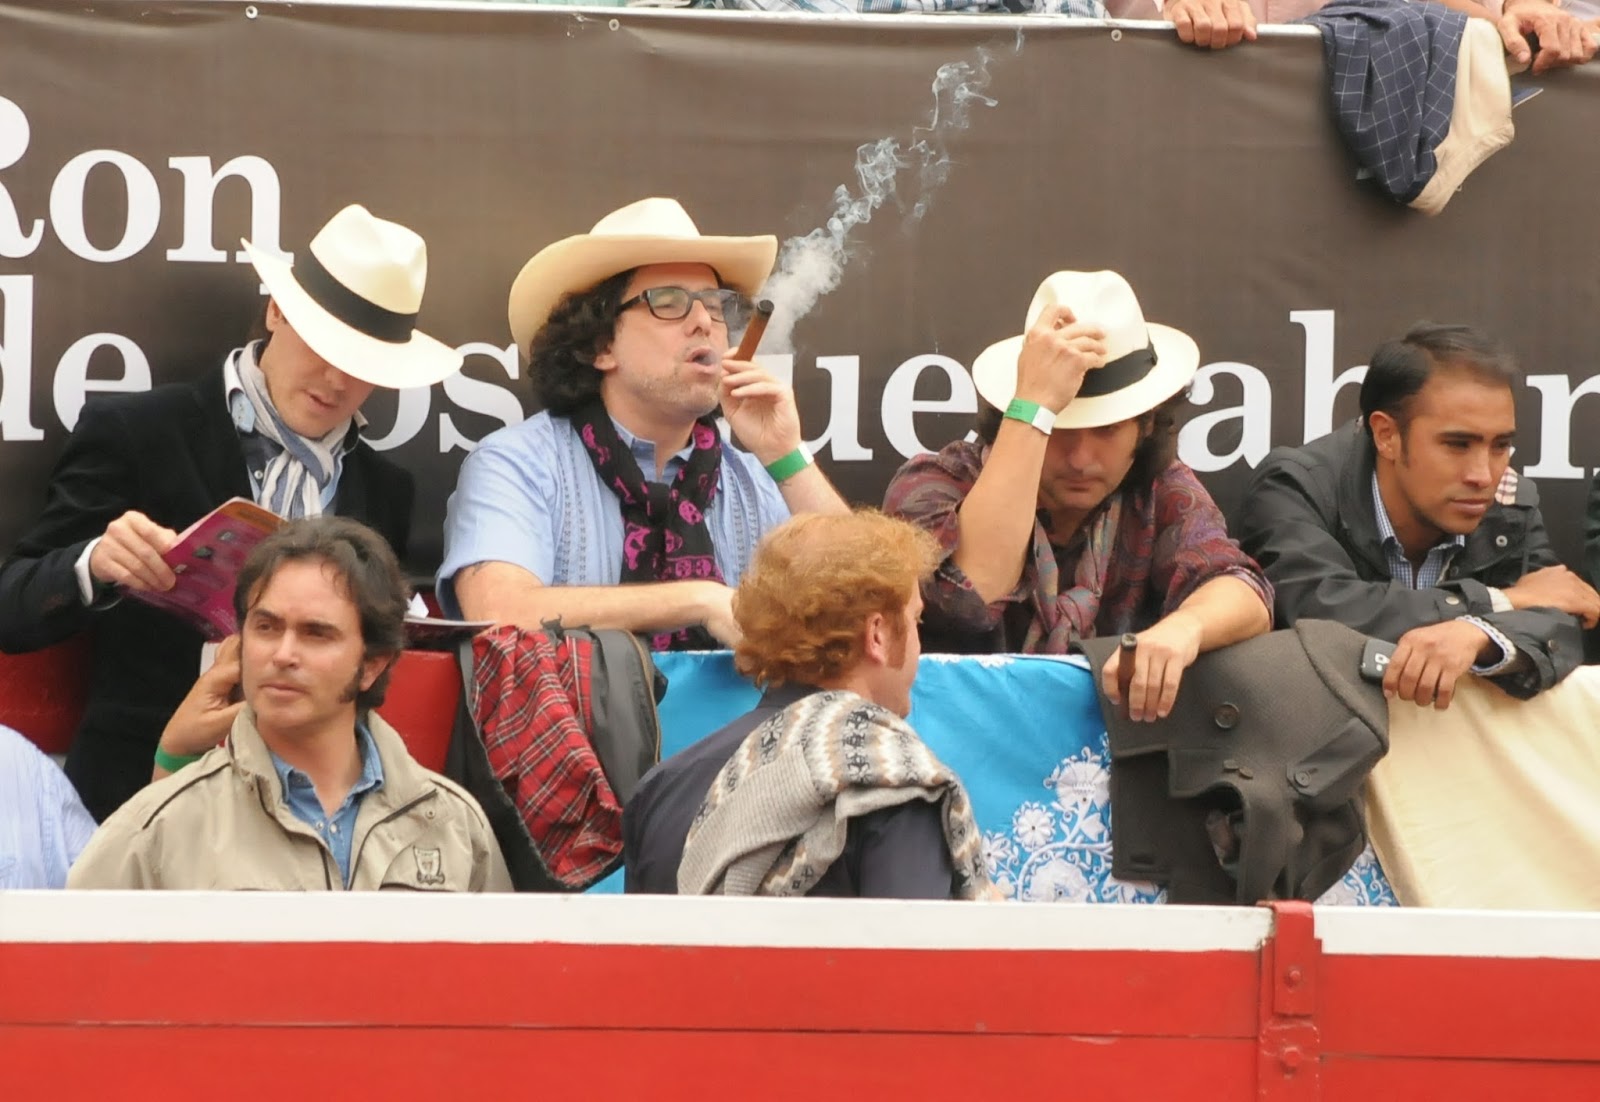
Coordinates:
529	495
43	824
338	829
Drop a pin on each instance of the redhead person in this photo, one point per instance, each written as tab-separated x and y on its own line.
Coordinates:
828	617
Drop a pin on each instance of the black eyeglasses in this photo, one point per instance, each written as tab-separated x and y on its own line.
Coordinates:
674	303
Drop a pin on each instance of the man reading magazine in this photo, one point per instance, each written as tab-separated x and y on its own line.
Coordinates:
277	422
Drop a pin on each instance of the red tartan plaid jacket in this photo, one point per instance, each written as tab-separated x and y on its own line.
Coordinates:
531	702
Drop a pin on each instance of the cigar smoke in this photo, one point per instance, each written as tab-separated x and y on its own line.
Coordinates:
812	265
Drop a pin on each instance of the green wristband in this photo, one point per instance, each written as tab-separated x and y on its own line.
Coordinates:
790	465
174	762
1031	413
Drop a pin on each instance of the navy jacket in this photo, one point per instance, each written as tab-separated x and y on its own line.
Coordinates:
896	853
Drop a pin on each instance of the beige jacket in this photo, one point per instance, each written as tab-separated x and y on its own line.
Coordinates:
221	823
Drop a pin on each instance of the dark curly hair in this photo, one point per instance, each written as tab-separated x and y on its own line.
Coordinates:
561	355
1158	446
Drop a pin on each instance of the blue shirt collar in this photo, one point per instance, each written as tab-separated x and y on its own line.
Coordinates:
370	780
644	451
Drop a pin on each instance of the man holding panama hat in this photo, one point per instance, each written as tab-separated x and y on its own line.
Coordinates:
620	505
278	423
1071	517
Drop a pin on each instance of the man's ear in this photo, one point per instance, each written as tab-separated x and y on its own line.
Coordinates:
1386	434
877	639
372	668
603	359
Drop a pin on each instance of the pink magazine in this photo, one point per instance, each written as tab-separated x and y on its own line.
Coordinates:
436	633
207	559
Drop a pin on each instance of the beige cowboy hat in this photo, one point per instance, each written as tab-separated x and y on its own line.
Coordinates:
1145	363
651	231
353	297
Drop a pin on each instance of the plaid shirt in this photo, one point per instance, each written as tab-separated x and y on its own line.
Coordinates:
1171	540
532	705
1392	79
1433	567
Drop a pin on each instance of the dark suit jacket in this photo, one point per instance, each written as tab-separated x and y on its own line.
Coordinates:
173	454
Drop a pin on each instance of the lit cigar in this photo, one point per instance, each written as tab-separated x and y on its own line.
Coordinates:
1126	650
753	332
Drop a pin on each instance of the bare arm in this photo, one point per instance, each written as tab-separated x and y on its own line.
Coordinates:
1222	611
509	594
996	519
809	491
762	414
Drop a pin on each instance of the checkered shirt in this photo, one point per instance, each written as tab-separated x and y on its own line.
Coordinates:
1392	77
1432	569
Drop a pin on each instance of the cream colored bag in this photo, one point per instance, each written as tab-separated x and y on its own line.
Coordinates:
1493	802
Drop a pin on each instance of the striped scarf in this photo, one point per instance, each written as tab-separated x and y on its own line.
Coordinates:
293	481
777	816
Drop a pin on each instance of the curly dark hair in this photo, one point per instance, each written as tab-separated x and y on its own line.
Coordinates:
1158	444
561	355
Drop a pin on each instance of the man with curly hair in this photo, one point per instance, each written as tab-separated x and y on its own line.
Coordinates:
1071	517
828	612
620	505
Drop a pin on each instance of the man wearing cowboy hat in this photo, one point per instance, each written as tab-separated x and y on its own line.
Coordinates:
1071	516
624	476
278	422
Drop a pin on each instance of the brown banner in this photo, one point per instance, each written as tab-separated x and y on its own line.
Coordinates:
140	141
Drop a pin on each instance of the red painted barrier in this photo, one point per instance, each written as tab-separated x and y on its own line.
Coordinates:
42	692
421	703
586	997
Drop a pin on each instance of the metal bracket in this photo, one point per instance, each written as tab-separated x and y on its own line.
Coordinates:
1289	1045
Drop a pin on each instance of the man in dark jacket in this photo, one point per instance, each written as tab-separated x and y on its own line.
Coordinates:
1408	525
278	422
828	614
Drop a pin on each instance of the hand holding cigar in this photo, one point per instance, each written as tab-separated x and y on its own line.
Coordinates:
1127	655
753	332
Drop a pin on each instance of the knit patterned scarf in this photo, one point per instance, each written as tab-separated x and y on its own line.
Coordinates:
777	816
664	535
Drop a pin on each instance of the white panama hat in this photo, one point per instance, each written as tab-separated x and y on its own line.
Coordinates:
1145	363
353	297
650	231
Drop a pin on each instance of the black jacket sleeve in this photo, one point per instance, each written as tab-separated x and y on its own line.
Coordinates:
94	483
